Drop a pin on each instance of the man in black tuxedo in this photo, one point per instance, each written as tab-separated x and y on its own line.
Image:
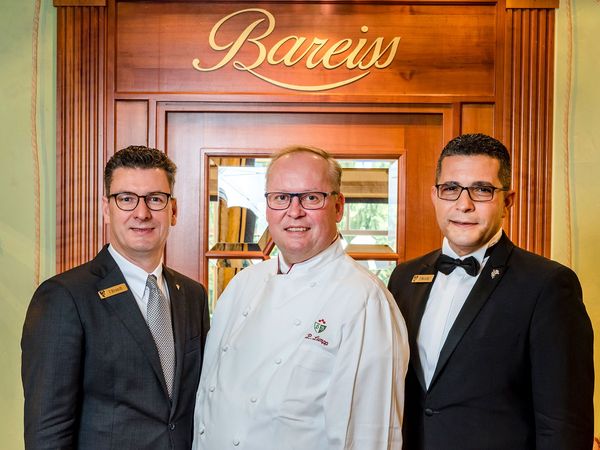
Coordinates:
112	349
501	344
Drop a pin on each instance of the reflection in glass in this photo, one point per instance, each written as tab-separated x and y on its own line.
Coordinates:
220	273
383	269
235	247
236	203
370	214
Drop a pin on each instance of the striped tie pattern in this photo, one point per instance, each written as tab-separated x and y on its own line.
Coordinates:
159	321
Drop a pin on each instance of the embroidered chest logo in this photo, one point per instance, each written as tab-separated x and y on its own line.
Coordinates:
320	325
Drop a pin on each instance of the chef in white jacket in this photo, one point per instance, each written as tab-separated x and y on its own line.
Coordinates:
307	351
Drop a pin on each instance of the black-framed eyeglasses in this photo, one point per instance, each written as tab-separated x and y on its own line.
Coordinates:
128	201
308	200
477	193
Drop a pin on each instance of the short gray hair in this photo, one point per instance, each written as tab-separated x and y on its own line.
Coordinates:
334	169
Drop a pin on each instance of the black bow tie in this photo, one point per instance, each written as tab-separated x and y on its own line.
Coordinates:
447	264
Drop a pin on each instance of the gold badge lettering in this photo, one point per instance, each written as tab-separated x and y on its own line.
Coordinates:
422	278
113	290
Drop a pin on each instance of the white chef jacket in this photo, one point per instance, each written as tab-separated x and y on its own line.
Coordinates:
311	360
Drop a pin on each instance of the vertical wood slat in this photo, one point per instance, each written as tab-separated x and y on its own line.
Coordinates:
527	123
80	82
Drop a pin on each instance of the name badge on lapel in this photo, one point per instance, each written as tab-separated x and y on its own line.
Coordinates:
113	290
426	278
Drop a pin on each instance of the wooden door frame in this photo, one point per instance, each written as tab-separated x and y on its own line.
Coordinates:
523	106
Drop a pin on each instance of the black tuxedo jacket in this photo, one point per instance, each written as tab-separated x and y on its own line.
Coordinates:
91	372
516	371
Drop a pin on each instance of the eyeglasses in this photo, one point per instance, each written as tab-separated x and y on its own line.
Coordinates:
128	201
478	193
308	200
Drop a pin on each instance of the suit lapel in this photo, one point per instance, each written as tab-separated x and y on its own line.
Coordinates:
420	295
125	307
488	279
176	297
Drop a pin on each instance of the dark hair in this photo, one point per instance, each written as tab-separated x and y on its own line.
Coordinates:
139	157
334	171
478	144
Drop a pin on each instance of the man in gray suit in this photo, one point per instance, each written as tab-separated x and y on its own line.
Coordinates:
112	349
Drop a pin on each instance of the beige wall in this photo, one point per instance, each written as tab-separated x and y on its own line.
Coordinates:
577	127
17	215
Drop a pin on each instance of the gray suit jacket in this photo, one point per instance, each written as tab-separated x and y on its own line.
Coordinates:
91	372
516	371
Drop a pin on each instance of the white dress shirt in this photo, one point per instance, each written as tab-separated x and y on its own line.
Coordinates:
313	359
136	279
446	299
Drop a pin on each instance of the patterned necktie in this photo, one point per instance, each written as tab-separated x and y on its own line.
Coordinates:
159	321
447	264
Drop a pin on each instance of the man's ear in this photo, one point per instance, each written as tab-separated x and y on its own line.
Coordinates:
174	211
509	200
106	210
433	194
339	207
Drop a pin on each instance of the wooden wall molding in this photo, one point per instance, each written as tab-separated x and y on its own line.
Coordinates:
80	129
527	129
533	4
80	2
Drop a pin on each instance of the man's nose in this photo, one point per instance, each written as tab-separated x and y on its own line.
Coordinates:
295	209
141	210
464	201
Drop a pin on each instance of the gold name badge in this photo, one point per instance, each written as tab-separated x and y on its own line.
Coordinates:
113	290
422	278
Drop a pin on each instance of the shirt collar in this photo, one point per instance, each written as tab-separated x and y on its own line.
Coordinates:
478	254
329	253
135	276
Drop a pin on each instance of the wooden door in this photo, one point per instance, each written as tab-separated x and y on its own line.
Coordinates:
388	155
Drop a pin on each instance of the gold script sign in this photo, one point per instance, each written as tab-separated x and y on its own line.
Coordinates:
292	50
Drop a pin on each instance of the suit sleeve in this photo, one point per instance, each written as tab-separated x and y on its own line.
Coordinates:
52	353
205	318
365	401
562	370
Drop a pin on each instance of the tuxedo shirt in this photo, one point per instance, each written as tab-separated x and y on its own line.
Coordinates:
447	297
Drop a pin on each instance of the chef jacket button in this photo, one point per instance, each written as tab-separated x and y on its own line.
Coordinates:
236	442
201	431
253	399
225	348
171	426
429	412
245	313
297	322
211	389
278	361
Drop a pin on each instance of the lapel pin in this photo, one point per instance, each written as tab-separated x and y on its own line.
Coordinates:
113	290
177	286
495	273
428	278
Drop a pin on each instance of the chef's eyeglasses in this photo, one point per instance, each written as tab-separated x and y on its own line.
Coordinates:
308	200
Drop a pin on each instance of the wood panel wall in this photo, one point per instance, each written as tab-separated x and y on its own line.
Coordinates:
513	101
81	96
